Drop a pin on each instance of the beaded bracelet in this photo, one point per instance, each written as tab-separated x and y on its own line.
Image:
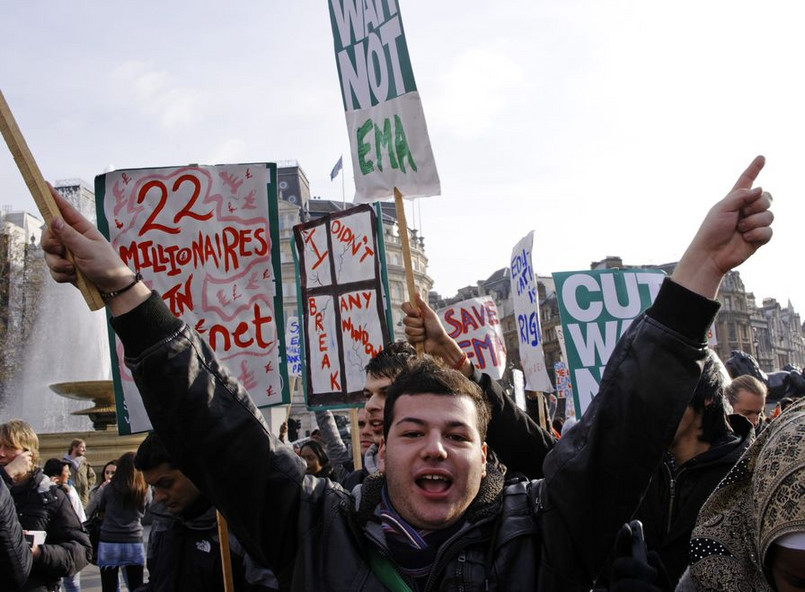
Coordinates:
107	296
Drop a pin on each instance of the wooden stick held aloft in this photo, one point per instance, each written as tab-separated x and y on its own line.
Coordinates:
406	249
39	189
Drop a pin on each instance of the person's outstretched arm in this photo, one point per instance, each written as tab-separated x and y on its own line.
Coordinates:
205	418
337	452
597	473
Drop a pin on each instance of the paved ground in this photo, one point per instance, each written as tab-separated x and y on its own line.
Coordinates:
91	580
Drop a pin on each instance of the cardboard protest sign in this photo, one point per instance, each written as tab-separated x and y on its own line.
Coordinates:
293	354
596	308
712	338
564	390
206	238
344	320
526	310
386	125
518	381
475	325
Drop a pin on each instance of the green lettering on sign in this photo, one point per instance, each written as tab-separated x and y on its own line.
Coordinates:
402	145
398	150
364	148
385	139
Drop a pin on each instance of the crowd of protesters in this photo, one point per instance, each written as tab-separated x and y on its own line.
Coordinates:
672	479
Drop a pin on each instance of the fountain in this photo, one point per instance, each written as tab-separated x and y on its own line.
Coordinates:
104	443
67	352
68	355
100	392
68	343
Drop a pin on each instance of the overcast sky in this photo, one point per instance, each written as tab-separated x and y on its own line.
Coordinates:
608	127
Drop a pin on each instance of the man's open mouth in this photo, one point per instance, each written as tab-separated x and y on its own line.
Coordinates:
434	483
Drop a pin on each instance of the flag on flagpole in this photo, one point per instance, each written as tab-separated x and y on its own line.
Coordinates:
336	168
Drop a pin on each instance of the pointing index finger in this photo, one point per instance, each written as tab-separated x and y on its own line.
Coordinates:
747	178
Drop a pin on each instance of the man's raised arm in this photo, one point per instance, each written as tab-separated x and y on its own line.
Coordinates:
598	472
201	412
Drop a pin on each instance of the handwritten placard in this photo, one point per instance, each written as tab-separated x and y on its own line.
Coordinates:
292	351
344	321
525	298
385	121
564	390
475	325
596	308
204	237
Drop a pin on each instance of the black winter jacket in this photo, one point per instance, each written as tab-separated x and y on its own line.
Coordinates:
674	498
15	553
42	505
517	440
550	535
185	556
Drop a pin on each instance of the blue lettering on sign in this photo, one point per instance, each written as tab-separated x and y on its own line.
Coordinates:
292	353
523	275
529	329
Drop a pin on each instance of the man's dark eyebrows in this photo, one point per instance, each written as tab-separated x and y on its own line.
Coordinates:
458	424
381	391
414	420
450	424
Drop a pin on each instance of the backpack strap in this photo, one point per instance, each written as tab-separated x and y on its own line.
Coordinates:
386	572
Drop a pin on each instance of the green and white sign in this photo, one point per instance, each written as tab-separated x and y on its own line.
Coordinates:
387	130
596	308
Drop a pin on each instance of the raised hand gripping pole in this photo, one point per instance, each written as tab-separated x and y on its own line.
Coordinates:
39	189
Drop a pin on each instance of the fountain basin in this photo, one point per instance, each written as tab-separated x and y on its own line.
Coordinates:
100	392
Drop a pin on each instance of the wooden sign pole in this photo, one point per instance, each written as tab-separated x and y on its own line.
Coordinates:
357	460
226	558
406	249
39	189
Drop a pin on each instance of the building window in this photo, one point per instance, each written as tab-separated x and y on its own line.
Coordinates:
397	293
285	252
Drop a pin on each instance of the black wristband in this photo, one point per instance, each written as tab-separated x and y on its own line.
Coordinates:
107	296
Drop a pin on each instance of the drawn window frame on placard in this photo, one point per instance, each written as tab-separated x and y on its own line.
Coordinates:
276	300
334	291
